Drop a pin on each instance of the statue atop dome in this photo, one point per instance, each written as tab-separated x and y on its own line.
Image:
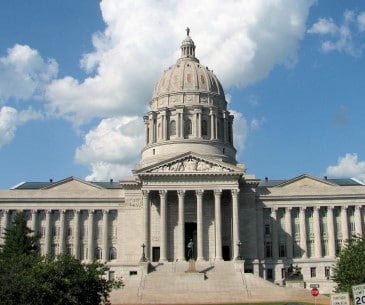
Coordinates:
187	31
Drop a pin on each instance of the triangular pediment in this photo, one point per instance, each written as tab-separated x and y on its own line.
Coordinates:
72	184
306	181
190	163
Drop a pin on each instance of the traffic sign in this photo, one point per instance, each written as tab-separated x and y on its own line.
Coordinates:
315	291
340	299
359	294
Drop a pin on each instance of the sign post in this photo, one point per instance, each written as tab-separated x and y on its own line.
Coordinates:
359	294
315	293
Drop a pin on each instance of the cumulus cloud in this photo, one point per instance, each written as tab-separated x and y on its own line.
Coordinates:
345	37
242	44
10	119
112	148
348	166
24	73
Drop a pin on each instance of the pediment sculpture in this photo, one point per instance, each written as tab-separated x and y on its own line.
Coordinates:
190	165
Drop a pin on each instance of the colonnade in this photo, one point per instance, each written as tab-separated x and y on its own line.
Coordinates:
331	233
68	237
157	124
199	219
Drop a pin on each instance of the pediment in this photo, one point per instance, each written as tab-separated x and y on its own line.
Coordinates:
191	163
72	184
306	181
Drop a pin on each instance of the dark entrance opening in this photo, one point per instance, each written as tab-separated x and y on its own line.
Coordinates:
155	254
190	233
226	253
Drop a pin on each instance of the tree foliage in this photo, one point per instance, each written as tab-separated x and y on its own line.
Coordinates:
27	278
350	266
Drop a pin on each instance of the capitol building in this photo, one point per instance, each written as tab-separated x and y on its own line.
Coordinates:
187	186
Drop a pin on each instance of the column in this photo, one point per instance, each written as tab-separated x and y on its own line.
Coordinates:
146	214
163	226
260	232
218	224
5	222
105	235
344	225
331	233
90	240
76	234
62	231
212	125
235	223
225	127
303	232
48	229
358	222
199	223
274	226
34	222
146	133
181	225
317	233
289	232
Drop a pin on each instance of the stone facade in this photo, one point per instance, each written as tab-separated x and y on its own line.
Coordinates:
188	185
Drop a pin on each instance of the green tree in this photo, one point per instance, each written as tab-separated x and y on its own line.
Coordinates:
26	278
19	239
350	266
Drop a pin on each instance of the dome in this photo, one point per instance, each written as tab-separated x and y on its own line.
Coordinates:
188	82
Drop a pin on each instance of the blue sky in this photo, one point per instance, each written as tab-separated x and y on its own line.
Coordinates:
76	78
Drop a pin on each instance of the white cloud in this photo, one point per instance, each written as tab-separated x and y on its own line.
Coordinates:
240	130
10	119
348	166
343	36
24	74
241	43
361	22
256	123
112	148
323	26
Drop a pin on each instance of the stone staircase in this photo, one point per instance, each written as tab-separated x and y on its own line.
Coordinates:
221	282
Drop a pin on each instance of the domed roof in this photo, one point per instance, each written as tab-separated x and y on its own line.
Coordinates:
188	76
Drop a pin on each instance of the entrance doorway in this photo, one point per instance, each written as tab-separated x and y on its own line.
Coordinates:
226	253
155	254
190	233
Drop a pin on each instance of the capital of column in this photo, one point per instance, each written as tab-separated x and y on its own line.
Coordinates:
145	193
91	211
358	208
77	211
162	193
106	211
181	193
344	207
199	192
217	192
235	192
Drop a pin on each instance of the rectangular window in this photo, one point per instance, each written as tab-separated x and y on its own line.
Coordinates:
282	250
268	249
313	272
270	274
267	229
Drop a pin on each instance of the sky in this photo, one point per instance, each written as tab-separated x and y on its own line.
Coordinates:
76	78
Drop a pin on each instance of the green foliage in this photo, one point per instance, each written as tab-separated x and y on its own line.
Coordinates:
350	267
19	239
29	279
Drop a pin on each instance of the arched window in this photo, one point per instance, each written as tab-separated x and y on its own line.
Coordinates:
113	253
173	128
98	253
204	128
187	128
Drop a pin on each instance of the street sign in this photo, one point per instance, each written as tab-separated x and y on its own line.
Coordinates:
315	291
340	299
359	294
313	285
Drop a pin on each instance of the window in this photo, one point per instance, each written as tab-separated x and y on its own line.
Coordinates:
268	249
187	128
267	229
313	272
282	250
98	253
269	274
204	128
111	275
327	271
113	253
69	249
173	128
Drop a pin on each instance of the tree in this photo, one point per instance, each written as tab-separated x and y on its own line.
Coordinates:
350	266
26	278
19	239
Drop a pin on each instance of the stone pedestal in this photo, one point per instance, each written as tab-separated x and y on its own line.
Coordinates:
191	267
239	265
145	267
